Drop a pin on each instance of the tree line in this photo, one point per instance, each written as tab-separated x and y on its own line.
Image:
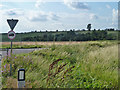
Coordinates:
73	36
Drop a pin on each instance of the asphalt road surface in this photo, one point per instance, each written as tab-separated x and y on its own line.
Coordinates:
19	51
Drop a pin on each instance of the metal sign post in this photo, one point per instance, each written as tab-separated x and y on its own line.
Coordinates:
7	53
0	57
11	35
0	72
21	78
0	60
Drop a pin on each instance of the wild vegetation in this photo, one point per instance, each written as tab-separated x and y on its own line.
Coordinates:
82	65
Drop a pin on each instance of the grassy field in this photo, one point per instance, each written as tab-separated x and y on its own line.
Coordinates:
73	65
45	44
34	44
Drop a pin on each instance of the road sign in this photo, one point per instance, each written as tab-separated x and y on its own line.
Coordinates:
12	23
11	35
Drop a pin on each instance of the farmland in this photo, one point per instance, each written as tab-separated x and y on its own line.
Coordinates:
71	35
91	64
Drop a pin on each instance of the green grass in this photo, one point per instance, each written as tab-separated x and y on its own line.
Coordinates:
87	65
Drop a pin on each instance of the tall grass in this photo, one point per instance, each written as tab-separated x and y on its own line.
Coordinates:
103	64
81	65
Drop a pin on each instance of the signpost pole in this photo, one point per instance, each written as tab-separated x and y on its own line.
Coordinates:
11	46
0	70
7	53
11	60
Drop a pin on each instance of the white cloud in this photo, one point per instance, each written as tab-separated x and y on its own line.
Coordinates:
39	3
114	16
53	16
79	20
13	12
75	4
60	0
38	17
93	16
108	6
42	16
1	5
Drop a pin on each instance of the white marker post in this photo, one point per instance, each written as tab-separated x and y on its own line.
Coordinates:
21	78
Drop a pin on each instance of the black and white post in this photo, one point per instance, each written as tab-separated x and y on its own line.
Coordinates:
21	78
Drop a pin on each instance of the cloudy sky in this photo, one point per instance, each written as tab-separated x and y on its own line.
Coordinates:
62	15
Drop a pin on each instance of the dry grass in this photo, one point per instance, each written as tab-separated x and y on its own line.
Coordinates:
12	83
103	62
40	43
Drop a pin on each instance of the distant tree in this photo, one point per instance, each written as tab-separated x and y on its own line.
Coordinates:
112	29
56	30
78	30
98	29
106	29
73	29
32	31
83	29
89	27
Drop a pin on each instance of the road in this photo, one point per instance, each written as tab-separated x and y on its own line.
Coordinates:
19	51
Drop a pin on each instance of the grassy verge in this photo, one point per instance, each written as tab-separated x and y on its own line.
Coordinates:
83	65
